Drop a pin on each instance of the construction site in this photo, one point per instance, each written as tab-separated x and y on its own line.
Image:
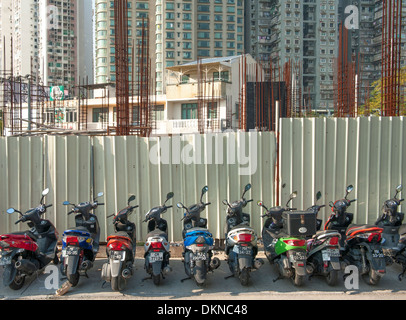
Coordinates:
30	108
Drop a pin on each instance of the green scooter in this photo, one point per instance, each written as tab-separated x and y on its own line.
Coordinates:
284	237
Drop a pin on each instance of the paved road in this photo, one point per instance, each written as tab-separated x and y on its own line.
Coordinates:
261	287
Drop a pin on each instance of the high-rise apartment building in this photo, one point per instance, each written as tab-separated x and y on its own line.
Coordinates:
364	41
188	30
302	32
19	22
138	16
180	31
52	40
65	41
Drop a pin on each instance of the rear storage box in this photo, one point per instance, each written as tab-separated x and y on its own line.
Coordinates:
299	223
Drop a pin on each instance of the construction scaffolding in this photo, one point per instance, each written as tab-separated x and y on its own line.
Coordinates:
391	53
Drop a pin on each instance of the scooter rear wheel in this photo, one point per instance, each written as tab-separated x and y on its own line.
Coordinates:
298	280
332	278
18	282
117	283
157	279
244	277
73	279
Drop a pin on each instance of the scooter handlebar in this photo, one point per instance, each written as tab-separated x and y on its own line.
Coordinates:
207	204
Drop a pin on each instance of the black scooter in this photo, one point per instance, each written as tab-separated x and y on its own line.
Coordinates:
241	246
323	250
24	253
157	249
120	249
394	232
362	242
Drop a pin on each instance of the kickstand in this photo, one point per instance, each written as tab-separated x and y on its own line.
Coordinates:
147	278
185	279
228	277
278	278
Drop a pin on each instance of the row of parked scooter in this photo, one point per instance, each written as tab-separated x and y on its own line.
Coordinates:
292	241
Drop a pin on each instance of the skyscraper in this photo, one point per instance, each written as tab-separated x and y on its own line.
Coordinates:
180	31
305	33
65	40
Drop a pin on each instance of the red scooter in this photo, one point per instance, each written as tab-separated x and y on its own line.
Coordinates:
24	253
120	249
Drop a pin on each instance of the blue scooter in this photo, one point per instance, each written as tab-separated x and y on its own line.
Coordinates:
80	244
198	243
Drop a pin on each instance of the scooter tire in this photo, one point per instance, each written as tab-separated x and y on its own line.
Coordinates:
156	278
332	278
373	277
73	279
117	283
298	280
244	277
18	282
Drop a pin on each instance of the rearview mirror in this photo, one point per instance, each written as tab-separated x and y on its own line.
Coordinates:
399	188
180	205
132	198
65	203
169	195
259	203
331	204
100	194
225	202
205	189
45	192
293	195
318	196
350	188
10	211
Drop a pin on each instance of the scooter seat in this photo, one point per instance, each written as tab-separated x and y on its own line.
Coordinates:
277	233
355	229
75	229
22	235
119	235
157	233
324	232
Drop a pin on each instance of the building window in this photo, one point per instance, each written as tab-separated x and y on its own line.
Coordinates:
189	111
100	114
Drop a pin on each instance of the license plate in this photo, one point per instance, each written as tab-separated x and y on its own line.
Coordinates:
377	254
5	260
199	256
327	254
70	251
242	250
118	256
297	256
156	256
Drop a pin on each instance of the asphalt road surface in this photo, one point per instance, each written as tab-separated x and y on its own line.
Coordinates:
261	287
